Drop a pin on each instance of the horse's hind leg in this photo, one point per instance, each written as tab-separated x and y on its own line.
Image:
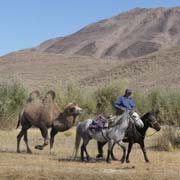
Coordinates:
52	134
122	145
83	149
87	155
82	152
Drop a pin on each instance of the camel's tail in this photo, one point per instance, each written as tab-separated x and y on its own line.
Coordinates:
19	119
78	140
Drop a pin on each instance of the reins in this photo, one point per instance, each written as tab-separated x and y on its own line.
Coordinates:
152	134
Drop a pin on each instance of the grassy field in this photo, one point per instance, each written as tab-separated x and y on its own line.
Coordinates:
42	165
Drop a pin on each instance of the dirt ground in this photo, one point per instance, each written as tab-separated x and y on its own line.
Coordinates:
60	165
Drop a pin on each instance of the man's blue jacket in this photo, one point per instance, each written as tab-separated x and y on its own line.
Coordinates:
125	102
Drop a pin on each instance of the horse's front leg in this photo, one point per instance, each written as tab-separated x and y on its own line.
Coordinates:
144	151
123	146
112	154
129	150
110	144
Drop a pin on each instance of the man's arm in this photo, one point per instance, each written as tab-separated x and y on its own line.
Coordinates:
118	103
133	106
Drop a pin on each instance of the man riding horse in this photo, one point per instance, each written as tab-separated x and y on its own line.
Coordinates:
125	103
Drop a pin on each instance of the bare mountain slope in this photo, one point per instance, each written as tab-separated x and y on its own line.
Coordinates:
131	34
160	69
45	69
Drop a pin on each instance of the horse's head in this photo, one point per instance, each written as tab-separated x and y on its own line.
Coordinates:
73	109
152	121
135	118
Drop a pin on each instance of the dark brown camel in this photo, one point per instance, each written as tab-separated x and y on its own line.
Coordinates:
39	113
65	121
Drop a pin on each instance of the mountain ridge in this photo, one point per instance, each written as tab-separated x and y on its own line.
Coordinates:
130	34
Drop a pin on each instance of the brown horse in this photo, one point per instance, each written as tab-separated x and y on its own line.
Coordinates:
39	113
65	121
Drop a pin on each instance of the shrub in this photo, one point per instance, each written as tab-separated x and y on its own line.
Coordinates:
168	140
106	94
73	92
12	97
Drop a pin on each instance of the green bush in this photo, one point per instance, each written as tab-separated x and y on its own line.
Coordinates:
93	100
12	96
106	94
83	96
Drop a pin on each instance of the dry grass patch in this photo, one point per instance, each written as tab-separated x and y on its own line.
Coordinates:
41	165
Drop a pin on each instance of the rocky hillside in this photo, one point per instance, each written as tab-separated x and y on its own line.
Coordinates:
131	34
143	43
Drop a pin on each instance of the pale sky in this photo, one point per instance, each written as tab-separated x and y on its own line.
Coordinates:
27	23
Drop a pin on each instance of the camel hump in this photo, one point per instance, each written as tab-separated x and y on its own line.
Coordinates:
52	93
34	95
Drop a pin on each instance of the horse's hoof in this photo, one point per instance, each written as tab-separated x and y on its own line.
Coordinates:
127	161
39	147
18	151
114	159
147	161
122	161
88	159
108	161
99	156
29	152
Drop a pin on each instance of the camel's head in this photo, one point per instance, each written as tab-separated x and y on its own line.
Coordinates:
73	109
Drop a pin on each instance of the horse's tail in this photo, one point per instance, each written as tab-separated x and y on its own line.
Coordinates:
77	140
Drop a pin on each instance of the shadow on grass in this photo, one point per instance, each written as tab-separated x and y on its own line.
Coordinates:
78	159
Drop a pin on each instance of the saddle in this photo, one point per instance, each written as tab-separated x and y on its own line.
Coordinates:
99	123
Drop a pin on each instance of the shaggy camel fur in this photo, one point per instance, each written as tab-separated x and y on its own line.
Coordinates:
39	113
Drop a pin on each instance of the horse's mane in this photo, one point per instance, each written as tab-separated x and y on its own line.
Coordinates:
146	115
119	119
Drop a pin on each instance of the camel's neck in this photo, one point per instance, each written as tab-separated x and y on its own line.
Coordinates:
68	120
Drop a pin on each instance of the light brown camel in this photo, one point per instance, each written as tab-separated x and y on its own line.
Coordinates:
65	121
39	113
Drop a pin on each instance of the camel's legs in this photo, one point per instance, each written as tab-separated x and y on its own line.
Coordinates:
26	142
19	136
52	134
44	133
